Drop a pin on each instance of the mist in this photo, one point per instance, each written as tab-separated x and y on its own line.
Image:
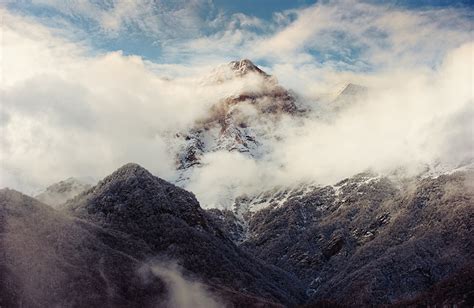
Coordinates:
183	292
72	111
409	121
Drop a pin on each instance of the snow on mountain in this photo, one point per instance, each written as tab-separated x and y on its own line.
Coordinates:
437	169
229	71
245	121
240	122
358	242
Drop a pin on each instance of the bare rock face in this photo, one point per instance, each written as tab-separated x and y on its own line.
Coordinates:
367	240
246	66
58	193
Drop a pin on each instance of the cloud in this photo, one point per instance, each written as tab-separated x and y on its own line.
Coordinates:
71	110
361	34
183	292
411	119
156	20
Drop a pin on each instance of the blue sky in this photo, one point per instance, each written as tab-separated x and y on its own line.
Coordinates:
168	31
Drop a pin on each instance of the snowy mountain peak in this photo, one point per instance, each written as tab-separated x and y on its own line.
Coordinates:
238	122
236	70
245	66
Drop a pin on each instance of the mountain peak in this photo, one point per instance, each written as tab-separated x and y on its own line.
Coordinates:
129	191
245	66
132	168
129	170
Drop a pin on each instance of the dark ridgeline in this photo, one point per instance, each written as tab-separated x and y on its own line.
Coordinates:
49	259
99	251
171	223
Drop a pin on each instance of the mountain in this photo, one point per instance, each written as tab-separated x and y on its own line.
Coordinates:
58	193
50	259
240	122
351	90
107	247
368	240
135	240
169	221
364	241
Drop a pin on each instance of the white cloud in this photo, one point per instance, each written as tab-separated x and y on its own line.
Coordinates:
158	19
411	119
66	112
69	112
184	292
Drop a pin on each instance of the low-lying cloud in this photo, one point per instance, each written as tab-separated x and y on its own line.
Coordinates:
409	120
68	110
183	292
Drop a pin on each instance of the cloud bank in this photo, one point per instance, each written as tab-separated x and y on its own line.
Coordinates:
71	110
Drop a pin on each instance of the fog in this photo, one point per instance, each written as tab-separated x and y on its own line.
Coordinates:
409	121
68	110
183	292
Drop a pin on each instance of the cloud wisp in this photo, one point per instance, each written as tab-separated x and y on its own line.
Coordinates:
183	292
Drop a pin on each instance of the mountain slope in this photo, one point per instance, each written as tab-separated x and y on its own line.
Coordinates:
51	260
112	245
169	221
368	240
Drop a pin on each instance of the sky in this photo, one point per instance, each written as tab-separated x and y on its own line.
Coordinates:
88	85
175	31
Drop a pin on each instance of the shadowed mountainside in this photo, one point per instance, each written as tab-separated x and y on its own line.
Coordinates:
368	240
104	253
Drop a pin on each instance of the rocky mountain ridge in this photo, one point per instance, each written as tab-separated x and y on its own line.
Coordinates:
121	228
368	240
241	122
